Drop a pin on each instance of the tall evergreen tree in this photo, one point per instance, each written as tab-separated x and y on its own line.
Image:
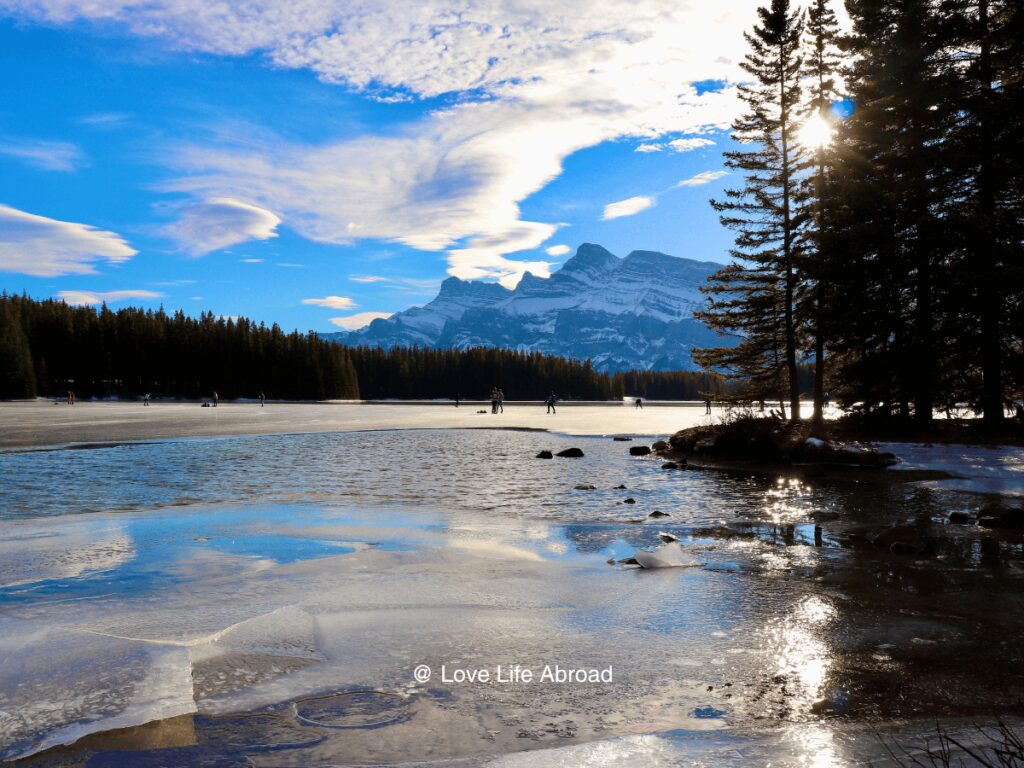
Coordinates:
756	296
893	281
17	375
986	58
821	67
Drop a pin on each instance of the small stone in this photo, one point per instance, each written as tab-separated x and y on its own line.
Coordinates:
658	513
668	538
660	445
620	487
639	450
585	487
544	455
630	500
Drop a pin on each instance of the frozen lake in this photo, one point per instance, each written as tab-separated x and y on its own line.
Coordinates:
266	599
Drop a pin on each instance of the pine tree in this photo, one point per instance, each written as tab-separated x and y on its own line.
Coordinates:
17	376
890	324
821	66
756	296
986	60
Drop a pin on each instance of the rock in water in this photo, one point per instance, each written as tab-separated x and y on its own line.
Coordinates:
585	487
959	518
570	453
658	513
668	538
544	455
639	450
620	487
674	465
997	514
629	501
900	540
660	445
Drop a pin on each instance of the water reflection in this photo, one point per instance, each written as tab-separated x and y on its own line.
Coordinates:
802	658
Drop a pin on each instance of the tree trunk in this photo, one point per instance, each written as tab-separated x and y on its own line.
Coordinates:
989	300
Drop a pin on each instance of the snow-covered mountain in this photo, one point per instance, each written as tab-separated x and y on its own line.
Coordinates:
631	313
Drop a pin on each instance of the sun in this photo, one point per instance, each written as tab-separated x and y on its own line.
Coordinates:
816	133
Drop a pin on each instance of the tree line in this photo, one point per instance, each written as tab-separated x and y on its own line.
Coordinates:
880	220
48	348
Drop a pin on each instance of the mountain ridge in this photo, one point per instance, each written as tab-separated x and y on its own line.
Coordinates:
634	312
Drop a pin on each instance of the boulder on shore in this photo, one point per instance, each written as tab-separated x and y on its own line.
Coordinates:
773	441
660	445
639	450
998	514
570	453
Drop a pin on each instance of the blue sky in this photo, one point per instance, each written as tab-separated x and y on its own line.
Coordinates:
315	164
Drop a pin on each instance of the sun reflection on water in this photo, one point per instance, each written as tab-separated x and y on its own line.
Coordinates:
802	659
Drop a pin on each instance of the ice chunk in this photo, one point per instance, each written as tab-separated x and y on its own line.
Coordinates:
63	684
669	556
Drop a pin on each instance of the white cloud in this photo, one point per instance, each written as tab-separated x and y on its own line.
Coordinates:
252	261
334	302
704	177
535	82
46	155
687	144
91	298
367	279
221	222
648	148
628	207
36	245
557	250
359	320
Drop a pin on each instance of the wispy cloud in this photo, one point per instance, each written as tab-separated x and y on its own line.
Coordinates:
557	250
704	177
37	245
648	148
221	222
359	320
92	298
104	119
628	207
334	302
368	279
45	155
252	261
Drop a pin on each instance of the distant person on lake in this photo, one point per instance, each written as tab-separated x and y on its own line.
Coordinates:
71	397
501	400
145	399
216	398
494	399
638	403
263	398
457	397
551	402
707	405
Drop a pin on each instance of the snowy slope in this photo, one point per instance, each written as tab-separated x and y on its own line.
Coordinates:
635	312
